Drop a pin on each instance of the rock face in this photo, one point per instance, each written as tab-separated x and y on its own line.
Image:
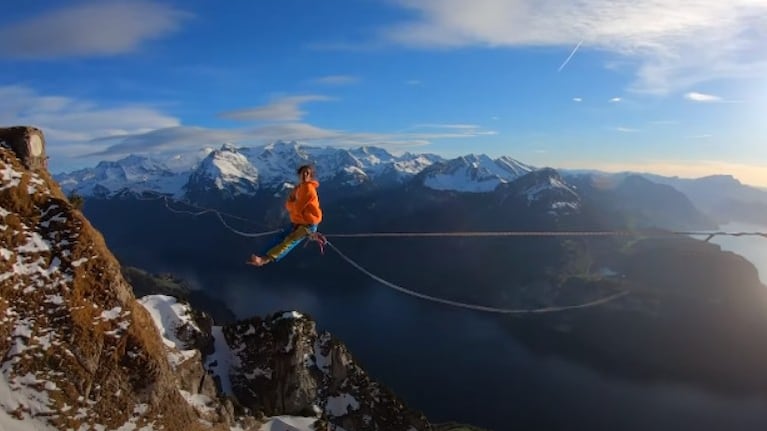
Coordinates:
73	340
79	351
287	367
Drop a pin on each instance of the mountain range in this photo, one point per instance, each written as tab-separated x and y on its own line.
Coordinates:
229	173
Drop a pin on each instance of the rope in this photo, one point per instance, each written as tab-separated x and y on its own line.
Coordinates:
625	233
195	214
322	241
245	234
474	306
202	210
647	234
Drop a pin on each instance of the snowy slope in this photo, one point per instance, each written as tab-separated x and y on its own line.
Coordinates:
225	169
473	173
544	189
290	423
13	399
555	184
134	173
10	399
171	318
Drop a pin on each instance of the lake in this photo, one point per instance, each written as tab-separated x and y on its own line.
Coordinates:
455	364
753	248
460	365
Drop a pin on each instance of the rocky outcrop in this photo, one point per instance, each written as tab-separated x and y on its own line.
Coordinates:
287	367
77	349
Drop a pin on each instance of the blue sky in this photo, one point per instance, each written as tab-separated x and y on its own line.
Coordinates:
674	87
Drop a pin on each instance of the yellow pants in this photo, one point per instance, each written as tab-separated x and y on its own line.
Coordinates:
288	239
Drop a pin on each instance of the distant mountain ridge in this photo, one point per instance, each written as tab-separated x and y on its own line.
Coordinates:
231	173
244	171
723	198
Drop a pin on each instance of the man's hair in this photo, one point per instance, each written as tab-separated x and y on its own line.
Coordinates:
303	168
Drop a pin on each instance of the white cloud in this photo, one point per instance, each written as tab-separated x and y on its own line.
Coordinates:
702	136
702	97
190	138
626	129
672	44
336	80
78	129
413	82
615	100
89	29
577	99
65	119
446	126
177	138
282	109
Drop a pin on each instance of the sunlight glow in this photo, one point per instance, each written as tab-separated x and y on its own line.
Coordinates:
752	174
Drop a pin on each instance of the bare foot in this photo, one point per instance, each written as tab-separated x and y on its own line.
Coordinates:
258	260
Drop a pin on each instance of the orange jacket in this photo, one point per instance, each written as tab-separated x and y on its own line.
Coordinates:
304	204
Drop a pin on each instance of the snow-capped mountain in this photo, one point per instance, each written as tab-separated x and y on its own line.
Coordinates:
545	188
135	173
244	170
277	163
225	171
232	171
473	173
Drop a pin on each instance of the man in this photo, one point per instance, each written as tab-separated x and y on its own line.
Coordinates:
303	204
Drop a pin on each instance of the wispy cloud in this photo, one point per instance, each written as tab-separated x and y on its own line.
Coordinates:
281	109
77	128
452	130
177	138
192	138
615	100
66	119
671	45
702	97
446	126
626	129
336	80
702	136
577	99
90	29
413	82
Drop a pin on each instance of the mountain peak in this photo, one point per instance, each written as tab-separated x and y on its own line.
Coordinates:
473	173
227	171
228	146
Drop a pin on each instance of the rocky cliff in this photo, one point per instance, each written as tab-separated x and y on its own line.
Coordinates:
79	351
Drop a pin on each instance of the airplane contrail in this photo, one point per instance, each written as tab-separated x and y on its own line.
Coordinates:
567	60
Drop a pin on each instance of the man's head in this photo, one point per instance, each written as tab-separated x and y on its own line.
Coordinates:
305	173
